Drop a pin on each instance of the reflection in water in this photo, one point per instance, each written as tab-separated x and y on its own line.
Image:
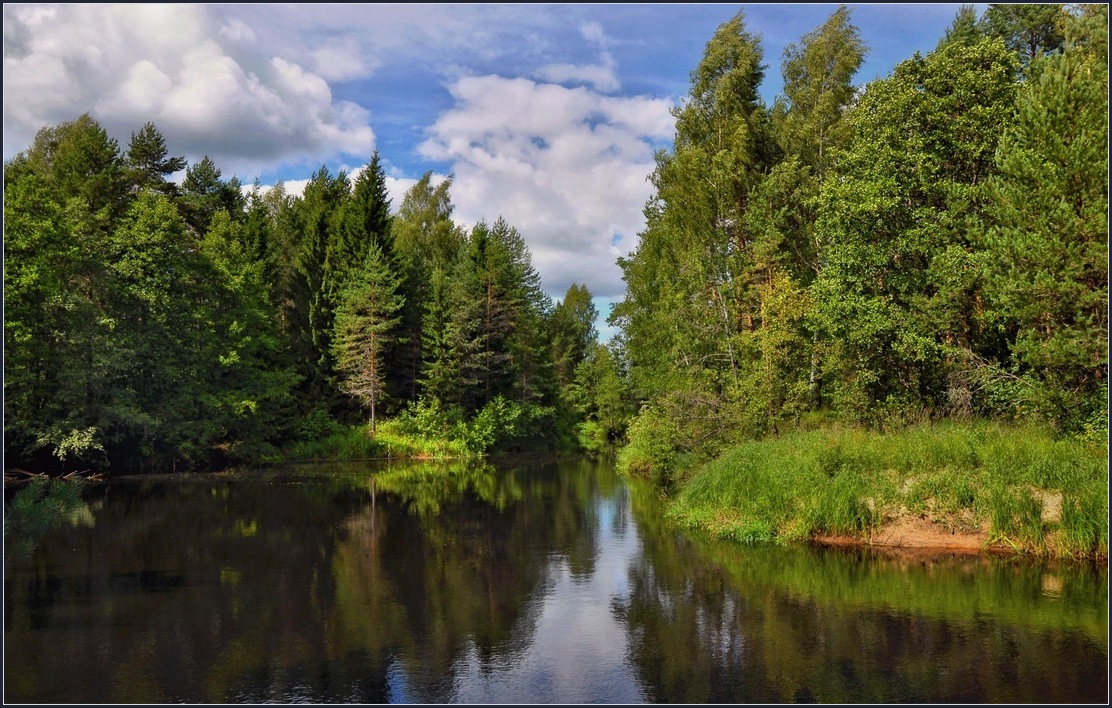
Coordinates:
38	506
530	583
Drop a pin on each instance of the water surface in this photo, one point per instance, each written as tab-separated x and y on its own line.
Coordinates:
531	582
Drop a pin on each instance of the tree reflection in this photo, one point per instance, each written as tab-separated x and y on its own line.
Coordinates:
795	625
343	583
402	583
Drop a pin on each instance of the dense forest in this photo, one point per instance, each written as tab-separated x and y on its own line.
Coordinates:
151	325
931	245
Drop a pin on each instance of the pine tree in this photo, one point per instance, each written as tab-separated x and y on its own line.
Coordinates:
203	193
964	29
425	239
147	161
1047	256
572	332
363	221
317	216
364	326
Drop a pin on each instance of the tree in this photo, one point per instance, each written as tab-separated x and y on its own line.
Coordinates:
600	395
964	29
818	90
1028	29
362	221
897	298
1047	243
529	344
147	161
247	384
203	193
448	313
63	198
317	215
692	285
425	240
54	293
573	331
365	321
78	159
689	283
484	325
810	125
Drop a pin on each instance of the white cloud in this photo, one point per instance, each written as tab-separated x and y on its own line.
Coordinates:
397	187
238	31
601	76
341	59
206	82
593	32
567	167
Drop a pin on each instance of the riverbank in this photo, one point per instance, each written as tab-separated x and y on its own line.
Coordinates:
427	432
960	487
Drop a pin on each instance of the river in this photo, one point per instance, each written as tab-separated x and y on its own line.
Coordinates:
524	582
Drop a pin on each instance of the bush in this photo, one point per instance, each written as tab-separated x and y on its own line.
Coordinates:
316	425
501	422
652	450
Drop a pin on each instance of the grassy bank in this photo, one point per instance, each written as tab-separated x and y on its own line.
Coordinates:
1034	493
388	442
426	431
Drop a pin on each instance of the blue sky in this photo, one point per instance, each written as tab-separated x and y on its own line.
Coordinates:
547	115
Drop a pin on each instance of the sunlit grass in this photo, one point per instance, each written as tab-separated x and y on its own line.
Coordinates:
357	443
1036	494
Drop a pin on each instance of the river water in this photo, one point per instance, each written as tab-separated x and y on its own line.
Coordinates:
530	582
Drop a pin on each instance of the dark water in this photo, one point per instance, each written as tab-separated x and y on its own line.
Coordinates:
532	583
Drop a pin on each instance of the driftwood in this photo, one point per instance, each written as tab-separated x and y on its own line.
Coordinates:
16	476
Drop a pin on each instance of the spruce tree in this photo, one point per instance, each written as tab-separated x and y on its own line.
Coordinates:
365	322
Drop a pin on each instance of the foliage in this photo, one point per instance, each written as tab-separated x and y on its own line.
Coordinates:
930	246
1047	278
35	508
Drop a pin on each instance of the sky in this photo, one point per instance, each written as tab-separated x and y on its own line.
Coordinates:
546	115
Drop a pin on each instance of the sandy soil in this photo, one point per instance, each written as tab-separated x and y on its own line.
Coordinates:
917	534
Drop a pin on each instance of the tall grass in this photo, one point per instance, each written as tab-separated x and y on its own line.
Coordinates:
1033	492
388	442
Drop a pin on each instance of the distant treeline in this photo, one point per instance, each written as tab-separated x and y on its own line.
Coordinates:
156	326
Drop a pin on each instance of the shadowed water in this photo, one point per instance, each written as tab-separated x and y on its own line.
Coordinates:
532	582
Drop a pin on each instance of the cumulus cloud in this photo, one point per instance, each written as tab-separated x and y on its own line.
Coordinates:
342	59
567	167
602	76
204	80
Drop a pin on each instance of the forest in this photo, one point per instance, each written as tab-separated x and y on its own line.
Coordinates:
930	246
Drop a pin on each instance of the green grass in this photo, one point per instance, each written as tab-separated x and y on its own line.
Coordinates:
388	442
850	481
391	440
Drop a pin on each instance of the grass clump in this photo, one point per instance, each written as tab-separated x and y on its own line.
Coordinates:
426	431
1028	490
